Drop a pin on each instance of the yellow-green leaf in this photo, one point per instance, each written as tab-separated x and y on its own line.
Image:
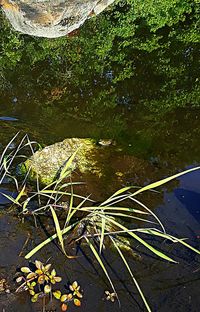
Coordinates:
64	298
47	289
57	279
38	264
25	270
57	294
31	275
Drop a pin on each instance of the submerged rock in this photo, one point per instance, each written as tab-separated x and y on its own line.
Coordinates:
51	18
47	164
91	226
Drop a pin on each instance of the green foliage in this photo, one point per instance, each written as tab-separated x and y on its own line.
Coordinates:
39	281
138	55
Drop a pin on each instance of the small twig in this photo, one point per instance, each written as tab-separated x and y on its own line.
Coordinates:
25	244
26	281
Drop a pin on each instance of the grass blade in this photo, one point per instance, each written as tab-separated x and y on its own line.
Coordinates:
131	274
118	214
11	199
163	181
101	264
66	169
111	198
169	237
114	209
58	229
139	239
103	224
48	240
70	207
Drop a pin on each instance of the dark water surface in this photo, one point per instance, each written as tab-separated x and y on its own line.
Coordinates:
149	145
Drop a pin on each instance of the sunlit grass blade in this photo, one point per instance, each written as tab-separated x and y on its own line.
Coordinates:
11	199
100	208
58	229
65	185
21	193
5	164
63	193
24	205
131	274
163	181
59	233
123	215
119	192
75	209
14	179
169	237
139	239
150	212
103	225
48	240
66	169
101	264
70	207
7	146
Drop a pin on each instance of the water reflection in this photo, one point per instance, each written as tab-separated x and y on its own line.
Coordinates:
120	80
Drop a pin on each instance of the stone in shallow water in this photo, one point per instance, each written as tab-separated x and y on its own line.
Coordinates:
47	163
51	18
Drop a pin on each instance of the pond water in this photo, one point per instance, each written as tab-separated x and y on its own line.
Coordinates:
146	101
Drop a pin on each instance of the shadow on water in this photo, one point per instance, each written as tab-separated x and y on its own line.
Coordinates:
191	200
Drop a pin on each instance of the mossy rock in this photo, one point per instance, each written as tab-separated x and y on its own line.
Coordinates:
46	164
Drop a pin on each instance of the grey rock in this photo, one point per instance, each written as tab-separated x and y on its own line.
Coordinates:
47	164
51	18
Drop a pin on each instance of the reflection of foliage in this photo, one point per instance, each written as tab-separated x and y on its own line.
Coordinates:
138	52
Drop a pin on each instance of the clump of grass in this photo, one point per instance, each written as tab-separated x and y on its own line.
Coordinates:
102	223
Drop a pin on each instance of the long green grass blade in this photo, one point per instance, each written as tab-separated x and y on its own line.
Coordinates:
101	263
58	229
150	212
48	240
103	225
66	169
75	209
139	239
169	237
131	274
100	208
11	199
62	193
21	193
119	192
70	207
123	215
161	182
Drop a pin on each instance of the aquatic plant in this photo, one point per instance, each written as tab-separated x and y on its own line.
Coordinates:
97	225
39	281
